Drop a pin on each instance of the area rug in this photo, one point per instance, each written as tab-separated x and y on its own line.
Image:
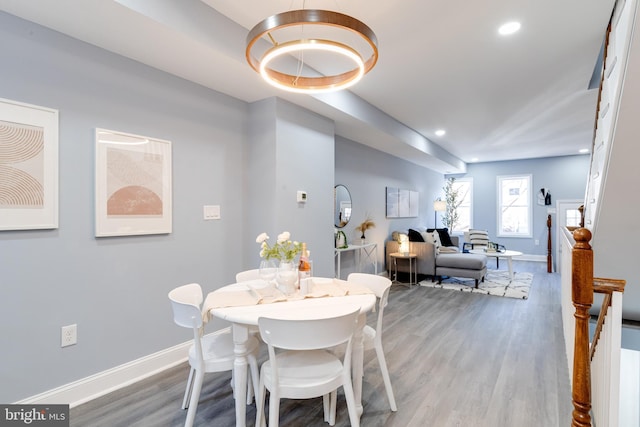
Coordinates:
496	282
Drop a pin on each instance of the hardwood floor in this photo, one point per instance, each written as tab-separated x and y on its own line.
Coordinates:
455	359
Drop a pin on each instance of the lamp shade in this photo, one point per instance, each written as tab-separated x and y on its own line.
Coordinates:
439	206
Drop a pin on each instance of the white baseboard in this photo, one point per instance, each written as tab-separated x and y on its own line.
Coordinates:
531	257
94	386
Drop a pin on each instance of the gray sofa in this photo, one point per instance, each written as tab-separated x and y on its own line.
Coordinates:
425	256
449	263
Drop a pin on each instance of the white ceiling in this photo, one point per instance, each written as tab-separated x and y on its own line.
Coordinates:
442	64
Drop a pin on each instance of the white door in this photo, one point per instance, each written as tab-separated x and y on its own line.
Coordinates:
567	214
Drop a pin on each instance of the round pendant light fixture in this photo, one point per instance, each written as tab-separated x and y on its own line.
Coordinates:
289	50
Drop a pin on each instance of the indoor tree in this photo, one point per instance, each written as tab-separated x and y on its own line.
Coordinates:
453	199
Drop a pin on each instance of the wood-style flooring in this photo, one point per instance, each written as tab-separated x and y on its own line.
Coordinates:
455	359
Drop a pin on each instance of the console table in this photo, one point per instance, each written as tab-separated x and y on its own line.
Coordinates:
366	252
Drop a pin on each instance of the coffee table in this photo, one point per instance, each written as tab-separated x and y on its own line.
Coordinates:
505	254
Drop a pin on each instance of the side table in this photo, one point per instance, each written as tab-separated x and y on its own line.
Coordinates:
413	268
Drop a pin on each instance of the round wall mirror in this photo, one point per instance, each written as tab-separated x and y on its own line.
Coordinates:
342	205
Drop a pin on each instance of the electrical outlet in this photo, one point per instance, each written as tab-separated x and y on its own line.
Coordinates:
537	242
69	335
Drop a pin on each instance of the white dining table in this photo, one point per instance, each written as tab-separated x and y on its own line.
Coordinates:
244	318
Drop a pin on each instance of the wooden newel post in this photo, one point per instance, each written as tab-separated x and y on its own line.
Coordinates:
549	260
582	297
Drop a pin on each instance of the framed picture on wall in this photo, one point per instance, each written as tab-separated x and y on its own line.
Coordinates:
401	203
133	184
28	166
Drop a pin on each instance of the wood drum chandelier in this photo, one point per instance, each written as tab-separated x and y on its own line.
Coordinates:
289	48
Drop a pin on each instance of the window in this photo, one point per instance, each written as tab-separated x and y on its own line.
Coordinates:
514	206
464	187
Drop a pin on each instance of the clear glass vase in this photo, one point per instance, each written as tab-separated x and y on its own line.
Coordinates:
287	277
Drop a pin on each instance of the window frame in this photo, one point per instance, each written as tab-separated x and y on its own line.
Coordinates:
500	180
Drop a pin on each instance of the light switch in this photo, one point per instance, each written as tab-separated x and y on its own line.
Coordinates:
212	212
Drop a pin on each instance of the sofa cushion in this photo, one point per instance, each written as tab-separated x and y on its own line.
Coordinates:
443	233
415	236
462	261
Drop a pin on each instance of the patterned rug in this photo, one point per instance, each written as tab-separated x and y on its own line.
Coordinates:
495	283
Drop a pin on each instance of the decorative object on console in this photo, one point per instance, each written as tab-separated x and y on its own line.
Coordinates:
364	226
341	240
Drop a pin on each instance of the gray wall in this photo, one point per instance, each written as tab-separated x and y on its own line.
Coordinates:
565	177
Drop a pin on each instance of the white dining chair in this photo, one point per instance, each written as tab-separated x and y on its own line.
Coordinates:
380	286
247	275
212	352
300	365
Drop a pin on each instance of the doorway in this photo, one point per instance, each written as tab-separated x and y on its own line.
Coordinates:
567	214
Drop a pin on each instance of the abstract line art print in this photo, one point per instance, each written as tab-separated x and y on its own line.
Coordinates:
133	184
28	166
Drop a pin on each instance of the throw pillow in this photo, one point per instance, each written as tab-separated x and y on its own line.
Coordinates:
443	233
478	237
428	237
436	242
415	236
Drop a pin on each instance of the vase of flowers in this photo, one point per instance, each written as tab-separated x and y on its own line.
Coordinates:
287	277
284	252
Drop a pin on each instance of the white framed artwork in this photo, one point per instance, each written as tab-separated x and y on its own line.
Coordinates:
133	184
28	166
401	203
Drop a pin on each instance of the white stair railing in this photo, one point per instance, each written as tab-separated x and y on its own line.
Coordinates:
605	354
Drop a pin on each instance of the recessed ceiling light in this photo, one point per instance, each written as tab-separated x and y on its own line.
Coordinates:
475	159
440	132
509	28
583	150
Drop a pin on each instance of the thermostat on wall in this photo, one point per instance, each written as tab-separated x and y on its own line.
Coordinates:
302	196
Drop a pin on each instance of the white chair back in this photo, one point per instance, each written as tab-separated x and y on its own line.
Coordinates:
247	275
309	334
185	302
308	369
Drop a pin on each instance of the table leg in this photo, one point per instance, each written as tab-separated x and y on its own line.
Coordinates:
240	337
510	269
357	362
